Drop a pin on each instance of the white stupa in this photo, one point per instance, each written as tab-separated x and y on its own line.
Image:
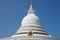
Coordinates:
31	28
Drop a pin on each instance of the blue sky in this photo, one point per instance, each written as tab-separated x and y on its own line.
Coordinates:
13	11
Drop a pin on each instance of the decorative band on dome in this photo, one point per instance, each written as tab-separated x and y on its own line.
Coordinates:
33	33
32	26
33	30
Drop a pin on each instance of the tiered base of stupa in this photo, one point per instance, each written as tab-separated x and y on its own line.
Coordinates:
34	37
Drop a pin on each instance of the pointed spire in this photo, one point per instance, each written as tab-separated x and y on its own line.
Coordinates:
31	4
30	11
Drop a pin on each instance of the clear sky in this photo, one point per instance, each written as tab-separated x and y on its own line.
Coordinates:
13	11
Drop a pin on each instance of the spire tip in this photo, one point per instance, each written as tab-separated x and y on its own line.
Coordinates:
30	11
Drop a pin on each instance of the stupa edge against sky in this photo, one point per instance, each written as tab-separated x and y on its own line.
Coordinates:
31	23
31	28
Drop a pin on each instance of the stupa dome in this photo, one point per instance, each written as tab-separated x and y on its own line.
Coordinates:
30	19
